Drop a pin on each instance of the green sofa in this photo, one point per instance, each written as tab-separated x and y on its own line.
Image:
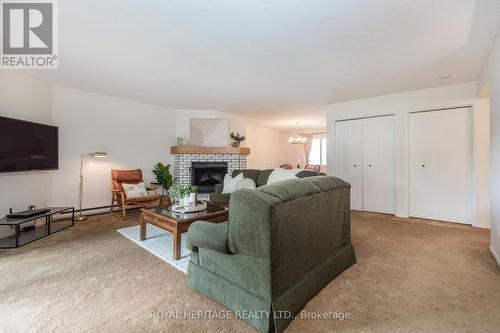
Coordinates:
260	178
282	244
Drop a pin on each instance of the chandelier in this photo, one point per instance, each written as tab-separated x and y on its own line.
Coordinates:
297	140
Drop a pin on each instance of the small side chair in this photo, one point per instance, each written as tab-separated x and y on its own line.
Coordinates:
118	196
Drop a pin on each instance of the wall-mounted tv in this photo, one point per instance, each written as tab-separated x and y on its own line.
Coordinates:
26	146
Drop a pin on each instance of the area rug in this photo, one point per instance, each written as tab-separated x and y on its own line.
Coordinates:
160	243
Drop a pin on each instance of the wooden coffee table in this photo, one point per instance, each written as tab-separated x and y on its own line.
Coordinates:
177	223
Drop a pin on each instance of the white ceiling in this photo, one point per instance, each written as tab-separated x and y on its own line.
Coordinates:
276	61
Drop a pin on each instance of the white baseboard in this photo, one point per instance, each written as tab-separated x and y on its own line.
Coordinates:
497	258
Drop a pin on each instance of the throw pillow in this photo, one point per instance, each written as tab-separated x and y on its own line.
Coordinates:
281	174
246	183
230	183
135	190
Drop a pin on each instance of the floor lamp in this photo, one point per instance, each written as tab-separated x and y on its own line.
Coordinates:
97	154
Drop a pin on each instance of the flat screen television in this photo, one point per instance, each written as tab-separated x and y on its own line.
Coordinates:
26	146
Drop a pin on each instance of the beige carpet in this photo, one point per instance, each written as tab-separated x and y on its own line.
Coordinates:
411	276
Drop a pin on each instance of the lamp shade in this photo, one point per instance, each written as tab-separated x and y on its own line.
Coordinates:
99	154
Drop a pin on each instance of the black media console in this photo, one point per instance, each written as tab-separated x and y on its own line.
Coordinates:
15	232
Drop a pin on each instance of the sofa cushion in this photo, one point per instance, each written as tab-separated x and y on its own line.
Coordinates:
328	183
248	173
230	183
306	173
281	174
246	183
263	177
217	195
291	189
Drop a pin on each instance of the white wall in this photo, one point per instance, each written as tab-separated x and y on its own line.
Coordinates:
135	135
24	98
268	147
481	156
400	105
489	86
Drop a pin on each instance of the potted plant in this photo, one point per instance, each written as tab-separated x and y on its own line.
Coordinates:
163	177
237	139
185	194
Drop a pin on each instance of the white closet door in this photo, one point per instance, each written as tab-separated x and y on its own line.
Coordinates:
348	158
441	165
378	164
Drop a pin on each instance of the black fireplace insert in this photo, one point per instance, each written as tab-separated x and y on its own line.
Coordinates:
206	175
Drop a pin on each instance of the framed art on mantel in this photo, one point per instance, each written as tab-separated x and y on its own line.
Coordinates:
209	132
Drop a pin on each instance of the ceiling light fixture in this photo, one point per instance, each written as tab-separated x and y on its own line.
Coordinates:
297	140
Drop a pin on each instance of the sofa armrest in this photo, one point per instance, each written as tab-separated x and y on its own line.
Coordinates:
218	188
208	235
217	195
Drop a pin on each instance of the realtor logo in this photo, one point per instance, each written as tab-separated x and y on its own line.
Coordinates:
28	35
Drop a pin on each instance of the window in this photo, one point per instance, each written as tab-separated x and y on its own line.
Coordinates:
318	150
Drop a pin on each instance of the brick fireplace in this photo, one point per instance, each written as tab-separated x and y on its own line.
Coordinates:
205	175
208	162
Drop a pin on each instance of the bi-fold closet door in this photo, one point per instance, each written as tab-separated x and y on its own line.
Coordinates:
349	158
364	157
441	165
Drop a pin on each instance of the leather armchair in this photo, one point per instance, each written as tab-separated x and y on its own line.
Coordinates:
118	196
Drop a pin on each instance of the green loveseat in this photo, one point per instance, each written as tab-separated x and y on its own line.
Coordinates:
260	178
282	244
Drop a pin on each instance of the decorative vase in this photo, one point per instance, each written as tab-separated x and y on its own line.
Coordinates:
235	144
190	200
181	201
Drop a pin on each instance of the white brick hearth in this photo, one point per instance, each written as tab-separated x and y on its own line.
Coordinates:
182	164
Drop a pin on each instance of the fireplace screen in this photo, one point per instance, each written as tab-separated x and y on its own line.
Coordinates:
206	175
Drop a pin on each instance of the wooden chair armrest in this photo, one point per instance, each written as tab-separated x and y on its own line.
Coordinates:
117	191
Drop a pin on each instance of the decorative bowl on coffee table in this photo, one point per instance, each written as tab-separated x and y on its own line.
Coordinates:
198	207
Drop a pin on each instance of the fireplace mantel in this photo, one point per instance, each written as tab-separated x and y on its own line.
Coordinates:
185	156
209	150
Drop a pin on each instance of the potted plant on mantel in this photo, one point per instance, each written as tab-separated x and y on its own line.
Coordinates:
163	178
185	194
237	139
